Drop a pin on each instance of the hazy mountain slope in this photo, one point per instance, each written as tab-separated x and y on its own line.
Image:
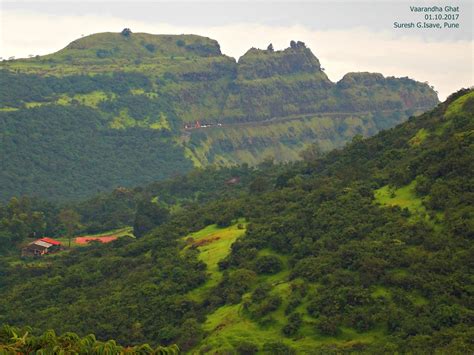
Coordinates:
143	89
367	249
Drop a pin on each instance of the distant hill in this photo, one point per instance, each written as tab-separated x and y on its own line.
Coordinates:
111	109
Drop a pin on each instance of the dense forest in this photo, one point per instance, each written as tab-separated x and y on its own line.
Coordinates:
110	111
363	249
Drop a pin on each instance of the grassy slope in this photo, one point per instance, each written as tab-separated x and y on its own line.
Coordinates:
456	107
228	325
214	246
404	197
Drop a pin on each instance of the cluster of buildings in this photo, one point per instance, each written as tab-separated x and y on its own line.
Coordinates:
41	247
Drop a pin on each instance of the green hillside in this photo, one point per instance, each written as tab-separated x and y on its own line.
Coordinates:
367	249
109	110
137	45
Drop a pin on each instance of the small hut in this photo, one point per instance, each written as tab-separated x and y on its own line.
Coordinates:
41	247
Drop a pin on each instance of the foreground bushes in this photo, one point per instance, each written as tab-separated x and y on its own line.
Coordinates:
15	340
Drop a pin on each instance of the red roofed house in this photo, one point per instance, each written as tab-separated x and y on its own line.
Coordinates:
41	247
51	241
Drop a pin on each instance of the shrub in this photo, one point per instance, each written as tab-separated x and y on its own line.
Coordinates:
246	348
277	348
103	53
260	292
294	323
126	32
270	304
268	264
328	326
150	47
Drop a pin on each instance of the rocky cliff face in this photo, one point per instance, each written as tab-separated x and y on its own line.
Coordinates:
267	104
273	84
260	64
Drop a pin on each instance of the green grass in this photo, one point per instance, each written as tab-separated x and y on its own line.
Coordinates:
457	107
124	121
215	245
419	138
188	153
161	123
229	325
91	99
417	299
404	197
34	104
151	95
381	292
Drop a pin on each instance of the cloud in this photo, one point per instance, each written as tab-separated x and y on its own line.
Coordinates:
445	64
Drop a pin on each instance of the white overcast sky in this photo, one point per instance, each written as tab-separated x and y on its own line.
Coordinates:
346	36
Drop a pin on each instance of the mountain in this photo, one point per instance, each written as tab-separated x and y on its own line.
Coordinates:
111	109
366	249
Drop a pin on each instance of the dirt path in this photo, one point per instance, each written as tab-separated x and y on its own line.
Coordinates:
274	120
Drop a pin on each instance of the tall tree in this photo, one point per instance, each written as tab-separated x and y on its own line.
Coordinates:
70	220
148	216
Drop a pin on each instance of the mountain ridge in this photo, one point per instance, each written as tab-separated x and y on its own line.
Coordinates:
267	105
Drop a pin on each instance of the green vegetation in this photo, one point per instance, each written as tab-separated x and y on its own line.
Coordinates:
331	254
109	111
213	244
362	249
15	341
404	197
92	99
280	140
460	106
72	153
419	138
229	330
